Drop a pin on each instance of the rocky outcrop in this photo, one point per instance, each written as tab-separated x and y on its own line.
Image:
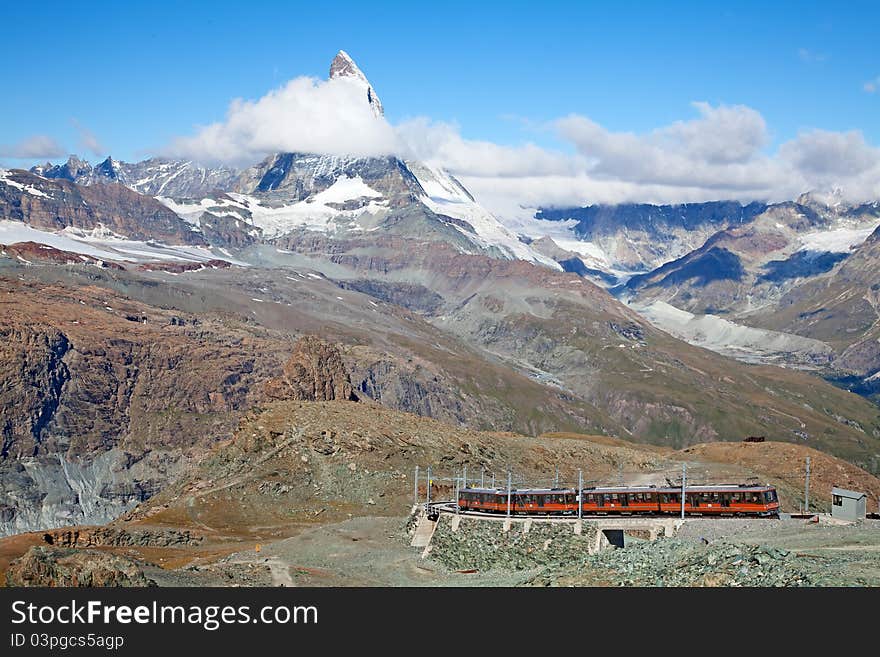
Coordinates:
104	400
49	566
181	267
87	537
58	204
34	253
314	372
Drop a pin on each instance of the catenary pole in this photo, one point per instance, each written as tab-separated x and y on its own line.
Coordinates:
508	493
807	488
416	487
683	480
428	488
580	494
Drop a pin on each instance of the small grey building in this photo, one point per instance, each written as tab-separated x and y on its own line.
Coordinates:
848	504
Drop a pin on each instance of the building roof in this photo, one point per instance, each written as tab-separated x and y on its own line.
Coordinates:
851	494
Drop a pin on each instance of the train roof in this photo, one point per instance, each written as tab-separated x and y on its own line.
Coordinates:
700	488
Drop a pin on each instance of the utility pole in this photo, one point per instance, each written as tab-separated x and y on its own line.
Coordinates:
580	494
464	476
508	493
807	488
493	480
428	488
556	481
683	480
455	489
416	487
482	477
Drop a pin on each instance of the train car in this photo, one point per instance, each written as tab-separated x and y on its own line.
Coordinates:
711	500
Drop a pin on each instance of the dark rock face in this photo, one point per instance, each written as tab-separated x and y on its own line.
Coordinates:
296	176
62	204
408	295
49	566
596	220
801	264
37	374
716	264
642	236
315	372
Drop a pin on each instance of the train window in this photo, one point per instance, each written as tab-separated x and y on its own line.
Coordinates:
837	500
770	495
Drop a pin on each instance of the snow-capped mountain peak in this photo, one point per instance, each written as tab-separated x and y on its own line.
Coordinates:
343	66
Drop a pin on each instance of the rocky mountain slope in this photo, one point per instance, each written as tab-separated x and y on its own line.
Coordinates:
294	470
180	315
294	192
59	205
153	177
758	292
641	237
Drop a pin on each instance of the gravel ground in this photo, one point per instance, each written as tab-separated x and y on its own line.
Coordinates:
375	551
742	552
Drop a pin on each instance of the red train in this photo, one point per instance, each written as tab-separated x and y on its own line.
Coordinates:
717	500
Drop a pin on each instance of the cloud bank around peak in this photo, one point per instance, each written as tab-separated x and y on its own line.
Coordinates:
305	115
721	152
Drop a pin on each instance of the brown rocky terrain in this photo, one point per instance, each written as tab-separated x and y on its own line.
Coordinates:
34	253
315	372
295	470
130	392
566	332
784	464
44	566
181	267
62	204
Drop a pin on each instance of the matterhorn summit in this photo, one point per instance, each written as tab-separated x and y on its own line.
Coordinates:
343	66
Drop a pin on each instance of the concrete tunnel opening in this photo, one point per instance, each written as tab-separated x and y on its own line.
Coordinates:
615	537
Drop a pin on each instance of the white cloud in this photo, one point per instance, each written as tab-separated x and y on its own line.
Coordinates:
34	147
304	115
441	142
720	153
818	154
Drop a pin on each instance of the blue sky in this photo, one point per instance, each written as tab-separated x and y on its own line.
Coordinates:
529	104
137	76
